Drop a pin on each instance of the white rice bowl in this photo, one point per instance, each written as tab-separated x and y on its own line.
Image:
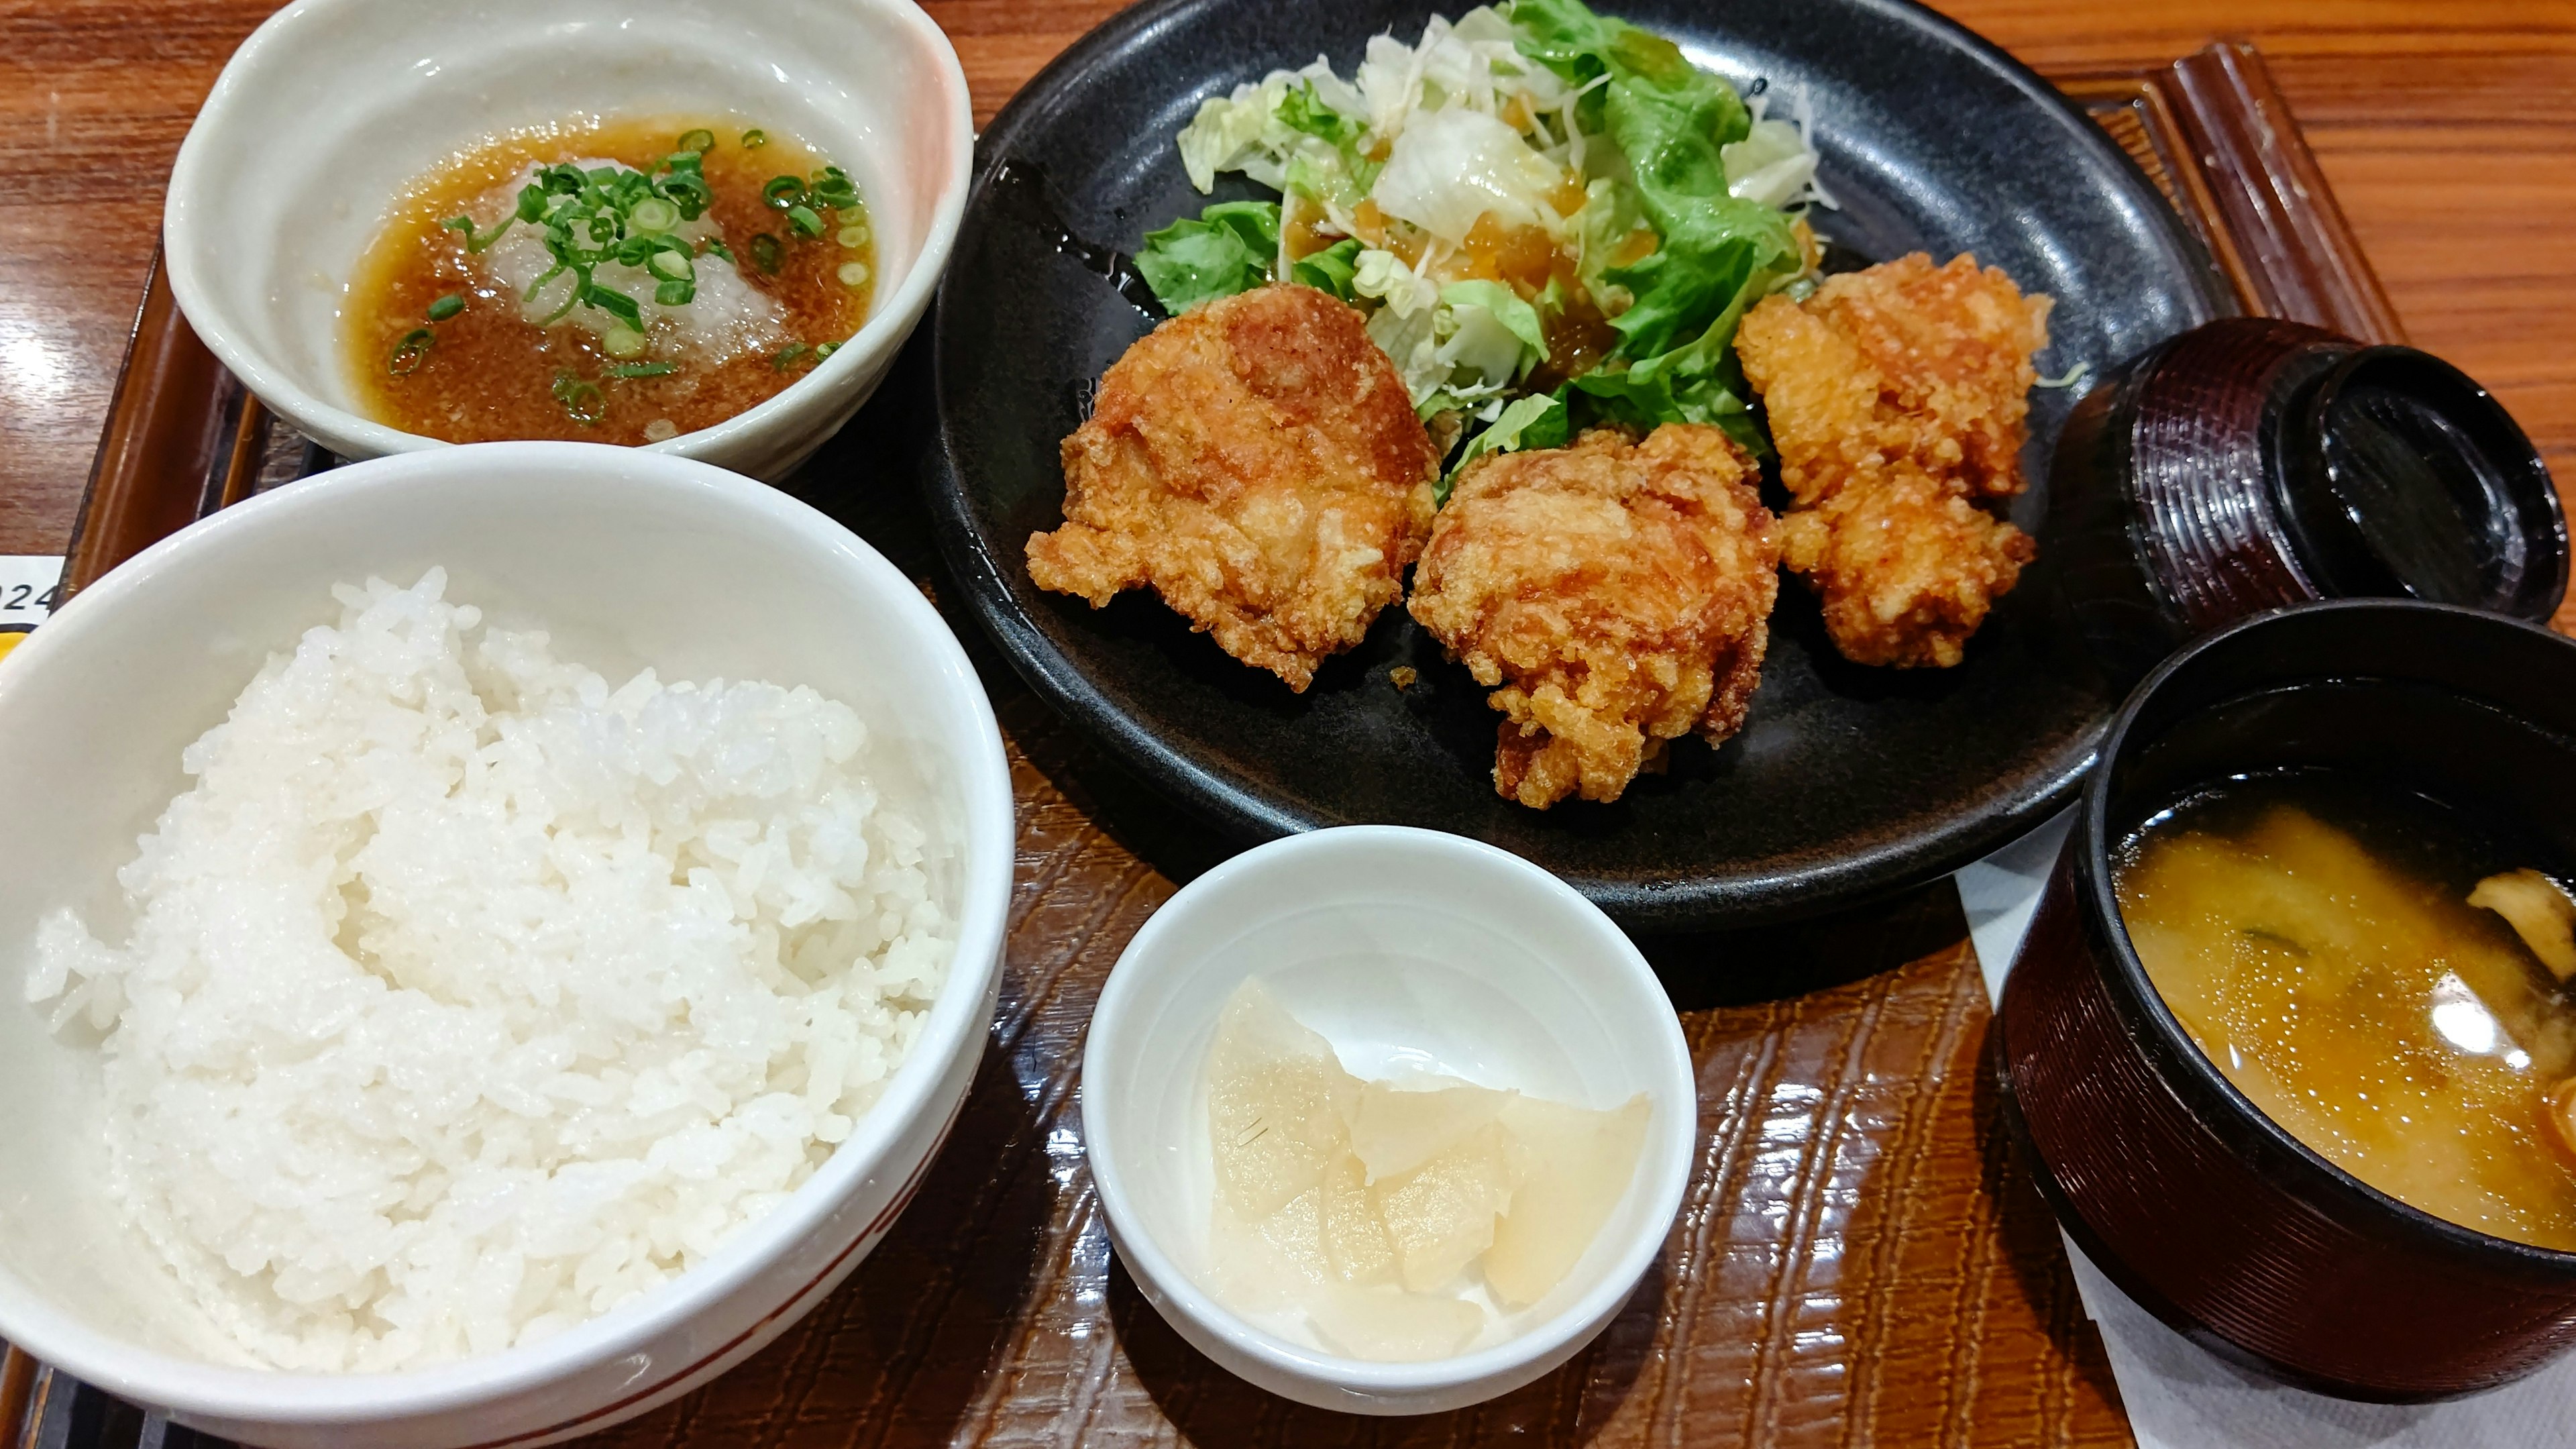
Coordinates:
467	998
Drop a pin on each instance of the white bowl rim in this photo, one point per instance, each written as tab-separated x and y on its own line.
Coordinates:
989	840
1164	1275
887	319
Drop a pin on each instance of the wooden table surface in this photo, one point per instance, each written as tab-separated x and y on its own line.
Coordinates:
1860	1260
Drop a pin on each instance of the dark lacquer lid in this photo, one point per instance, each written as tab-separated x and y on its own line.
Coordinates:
2252	463
2401	477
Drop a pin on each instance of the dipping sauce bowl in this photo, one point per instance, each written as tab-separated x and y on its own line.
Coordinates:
2251	463
2199	1206
333	108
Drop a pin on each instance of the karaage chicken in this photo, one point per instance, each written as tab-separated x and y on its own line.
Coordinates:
1617	591
1257	462
1898	399
1905	567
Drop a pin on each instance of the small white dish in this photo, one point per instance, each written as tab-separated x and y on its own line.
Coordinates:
1405	949
333	107
626	559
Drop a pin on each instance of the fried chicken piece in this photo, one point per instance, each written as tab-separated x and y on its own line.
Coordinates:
1902	362
1618	591
1905	565
1258	464
1898	398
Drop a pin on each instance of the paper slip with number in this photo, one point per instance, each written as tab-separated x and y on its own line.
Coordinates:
27	586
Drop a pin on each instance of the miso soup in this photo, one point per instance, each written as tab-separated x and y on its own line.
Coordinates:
613	281
2314	936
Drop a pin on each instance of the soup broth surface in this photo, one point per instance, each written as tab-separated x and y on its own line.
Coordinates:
2313	936
489	372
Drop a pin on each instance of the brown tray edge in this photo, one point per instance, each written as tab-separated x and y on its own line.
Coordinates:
183	438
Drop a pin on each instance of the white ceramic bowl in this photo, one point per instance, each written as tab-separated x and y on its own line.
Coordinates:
627	559
1406	949
333	107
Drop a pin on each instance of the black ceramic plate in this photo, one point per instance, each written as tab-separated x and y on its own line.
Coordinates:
1846	781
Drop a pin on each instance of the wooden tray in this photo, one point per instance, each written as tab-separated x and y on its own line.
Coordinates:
1859	1259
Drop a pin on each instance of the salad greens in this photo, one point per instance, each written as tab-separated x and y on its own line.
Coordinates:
1230	248
1550	216
1540	420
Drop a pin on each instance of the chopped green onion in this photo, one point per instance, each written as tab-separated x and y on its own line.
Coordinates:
623	342
805	220
754	139
783	192
477	241
833	188
853	237
682	180
854	274
826	350
700	140
766	253
642	369
714	246
789	354
616	214
582	400
446	307
409	353
615	304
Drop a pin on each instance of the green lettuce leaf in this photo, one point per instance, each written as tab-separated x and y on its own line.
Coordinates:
1675	388
1719	253
1541	420
1332	270
1518	317
1339	171
1229	248
1302	110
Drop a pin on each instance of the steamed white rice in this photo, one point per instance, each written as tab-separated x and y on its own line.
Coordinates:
467	998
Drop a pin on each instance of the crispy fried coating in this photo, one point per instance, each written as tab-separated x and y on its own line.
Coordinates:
1258	464
1618	591
1905	566
1903	362
1898	398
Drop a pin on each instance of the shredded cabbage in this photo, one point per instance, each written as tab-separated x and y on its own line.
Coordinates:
1474	65
1452	166
1246	132
1771	165
1496	305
